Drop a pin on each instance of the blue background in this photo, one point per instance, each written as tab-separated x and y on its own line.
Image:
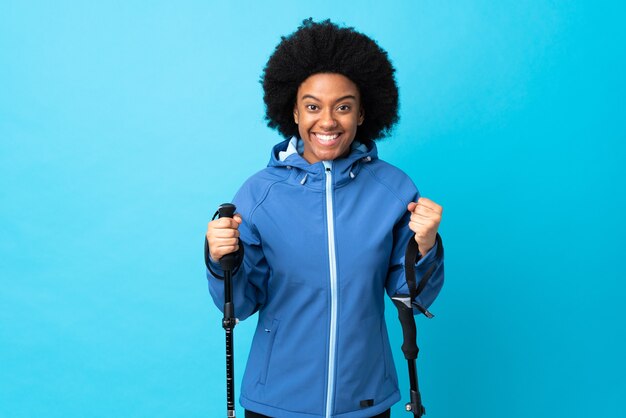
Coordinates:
123	125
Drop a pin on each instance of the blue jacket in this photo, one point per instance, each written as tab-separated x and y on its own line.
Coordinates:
323	242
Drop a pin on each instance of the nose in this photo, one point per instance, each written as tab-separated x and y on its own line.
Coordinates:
327	119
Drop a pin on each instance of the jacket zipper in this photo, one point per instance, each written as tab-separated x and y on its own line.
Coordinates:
332	340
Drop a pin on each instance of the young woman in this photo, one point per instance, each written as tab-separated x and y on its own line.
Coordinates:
321	233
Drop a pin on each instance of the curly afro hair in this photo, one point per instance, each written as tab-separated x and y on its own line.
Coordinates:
325	47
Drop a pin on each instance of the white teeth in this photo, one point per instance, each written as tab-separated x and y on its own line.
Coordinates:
327	137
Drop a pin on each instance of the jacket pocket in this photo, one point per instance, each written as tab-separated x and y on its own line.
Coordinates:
270	337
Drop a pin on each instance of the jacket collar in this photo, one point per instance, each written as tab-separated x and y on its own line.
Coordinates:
287	155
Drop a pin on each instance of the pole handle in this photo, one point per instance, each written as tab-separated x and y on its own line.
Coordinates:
228	261
409	330
226	210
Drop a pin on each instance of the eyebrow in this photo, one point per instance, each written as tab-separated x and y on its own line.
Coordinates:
348	96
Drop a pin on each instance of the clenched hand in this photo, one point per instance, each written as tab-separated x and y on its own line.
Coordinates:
425	220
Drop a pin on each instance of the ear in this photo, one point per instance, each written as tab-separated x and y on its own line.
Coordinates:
295	113
361	117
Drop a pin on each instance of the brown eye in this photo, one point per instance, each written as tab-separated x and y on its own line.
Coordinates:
344	108
312	107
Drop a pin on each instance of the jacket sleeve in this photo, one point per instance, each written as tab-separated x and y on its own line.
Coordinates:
396	279
249	283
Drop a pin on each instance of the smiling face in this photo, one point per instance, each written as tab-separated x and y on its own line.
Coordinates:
327	112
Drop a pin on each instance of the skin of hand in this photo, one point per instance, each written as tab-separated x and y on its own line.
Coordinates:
425	220
223	236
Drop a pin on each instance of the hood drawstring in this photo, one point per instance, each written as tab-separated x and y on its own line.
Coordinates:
304	179
365	160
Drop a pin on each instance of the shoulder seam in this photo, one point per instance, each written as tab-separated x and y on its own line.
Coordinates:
380	181
264	196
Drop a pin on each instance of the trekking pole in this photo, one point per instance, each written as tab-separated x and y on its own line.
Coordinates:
227	262
405	305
